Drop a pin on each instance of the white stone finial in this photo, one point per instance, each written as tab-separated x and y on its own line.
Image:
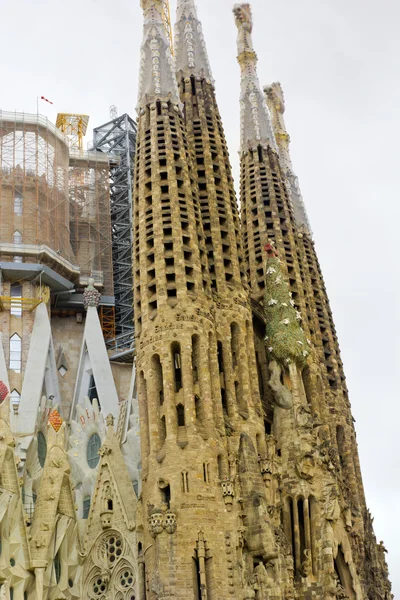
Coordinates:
256	128
157	68
190	48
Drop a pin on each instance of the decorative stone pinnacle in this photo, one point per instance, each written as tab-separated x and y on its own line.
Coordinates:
256	128
91	296
3	391
55	420
190	48
157	69
110	420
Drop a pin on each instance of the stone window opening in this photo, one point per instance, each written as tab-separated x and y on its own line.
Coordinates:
180	414
92	390
177	365
206	472
158	378
185	482
165	490
163	430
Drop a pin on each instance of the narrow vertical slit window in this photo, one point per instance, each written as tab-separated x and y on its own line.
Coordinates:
177	366
15	353
180	414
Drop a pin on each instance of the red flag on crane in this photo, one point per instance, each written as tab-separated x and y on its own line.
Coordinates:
46	100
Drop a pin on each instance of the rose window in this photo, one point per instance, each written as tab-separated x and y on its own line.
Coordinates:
99	587
126	578
114	549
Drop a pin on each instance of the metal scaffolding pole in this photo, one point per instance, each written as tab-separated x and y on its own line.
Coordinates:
117	139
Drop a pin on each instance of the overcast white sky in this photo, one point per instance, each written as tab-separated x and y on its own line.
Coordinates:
338	63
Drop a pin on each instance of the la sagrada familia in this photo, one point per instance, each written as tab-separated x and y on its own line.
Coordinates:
219	462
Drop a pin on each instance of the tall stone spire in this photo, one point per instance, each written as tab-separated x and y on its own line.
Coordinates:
157	76
256	128
190	48
276	105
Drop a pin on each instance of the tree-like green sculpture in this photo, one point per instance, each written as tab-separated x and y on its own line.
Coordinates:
285	341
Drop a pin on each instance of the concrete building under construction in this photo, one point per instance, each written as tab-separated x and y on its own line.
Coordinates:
174	416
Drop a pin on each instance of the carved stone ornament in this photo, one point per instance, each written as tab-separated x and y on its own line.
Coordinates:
106	519
305	466
306	566
156	522
228	492
170	521
160	519
265	468
91	296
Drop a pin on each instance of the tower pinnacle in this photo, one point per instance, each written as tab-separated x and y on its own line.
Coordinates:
157	77
190	47
276	104
256	128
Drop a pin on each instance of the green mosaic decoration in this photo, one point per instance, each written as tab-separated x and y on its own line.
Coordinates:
284	338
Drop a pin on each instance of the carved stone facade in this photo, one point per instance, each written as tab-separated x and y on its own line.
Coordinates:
247	483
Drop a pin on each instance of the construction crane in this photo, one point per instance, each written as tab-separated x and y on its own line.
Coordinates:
166	15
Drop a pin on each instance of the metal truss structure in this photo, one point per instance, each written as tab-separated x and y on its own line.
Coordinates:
117	139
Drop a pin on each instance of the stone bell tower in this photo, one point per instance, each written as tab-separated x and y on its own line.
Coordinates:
202	430
321	489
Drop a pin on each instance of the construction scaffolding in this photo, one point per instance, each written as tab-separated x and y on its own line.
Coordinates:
90	221
117	140
34	207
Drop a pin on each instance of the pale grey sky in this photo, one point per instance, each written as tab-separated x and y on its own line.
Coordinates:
338	63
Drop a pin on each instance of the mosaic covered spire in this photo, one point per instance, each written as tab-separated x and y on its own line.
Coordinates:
256	128
157	73
190	48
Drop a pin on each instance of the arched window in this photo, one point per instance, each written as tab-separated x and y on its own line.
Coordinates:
177	365
92	451
15	353
42	448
